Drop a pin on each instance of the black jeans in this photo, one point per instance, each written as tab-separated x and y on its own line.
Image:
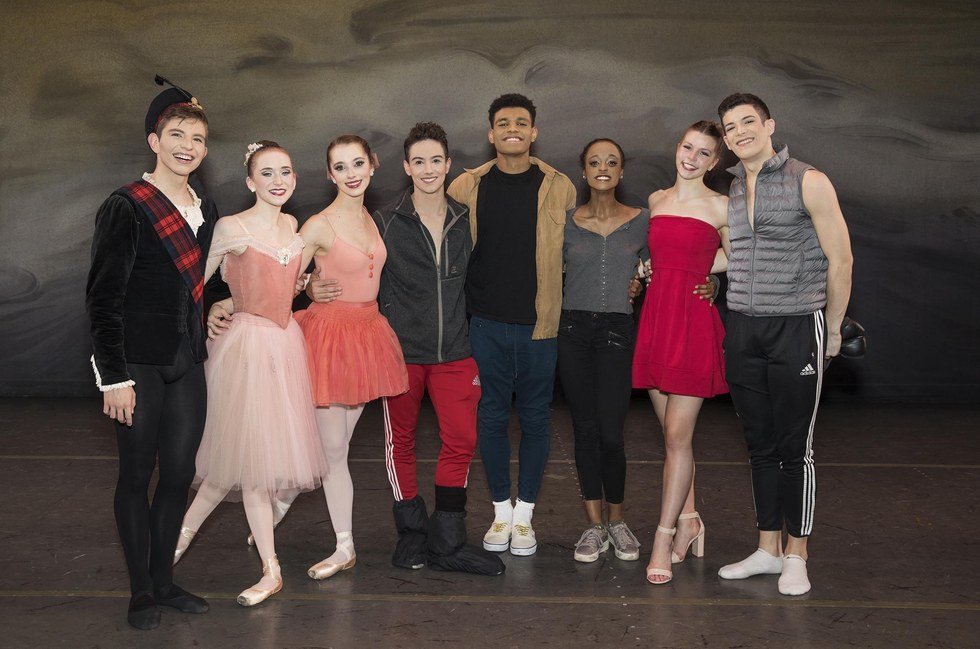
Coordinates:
595	356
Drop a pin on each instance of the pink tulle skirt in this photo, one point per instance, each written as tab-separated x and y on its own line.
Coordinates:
354	355
261	430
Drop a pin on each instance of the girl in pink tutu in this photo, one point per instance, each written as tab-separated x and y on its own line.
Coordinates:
260	438
354	354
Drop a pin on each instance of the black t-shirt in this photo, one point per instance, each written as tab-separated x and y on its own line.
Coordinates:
501	282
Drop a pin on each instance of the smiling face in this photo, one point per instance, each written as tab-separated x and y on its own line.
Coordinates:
427	165
512	132
747	134
603	165
272	178
181	145
350	168
697	153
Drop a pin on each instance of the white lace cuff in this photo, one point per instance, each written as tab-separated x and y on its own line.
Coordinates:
106	388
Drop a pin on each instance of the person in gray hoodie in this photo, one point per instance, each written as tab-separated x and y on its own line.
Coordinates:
427	235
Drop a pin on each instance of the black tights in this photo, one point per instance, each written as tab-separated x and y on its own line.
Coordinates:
171	405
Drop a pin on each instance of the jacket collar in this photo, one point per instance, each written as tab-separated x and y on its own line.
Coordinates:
770	165
485	168
406	207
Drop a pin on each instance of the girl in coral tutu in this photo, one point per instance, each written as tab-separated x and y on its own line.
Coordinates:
354	354
678	356
260	438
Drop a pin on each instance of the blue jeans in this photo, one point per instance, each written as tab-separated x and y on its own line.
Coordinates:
511	363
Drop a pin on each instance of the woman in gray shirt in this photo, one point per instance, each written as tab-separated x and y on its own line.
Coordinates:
604	241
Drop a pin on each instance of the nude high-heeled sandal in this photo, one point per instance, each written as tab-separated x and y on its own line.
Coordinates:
696	546
661	572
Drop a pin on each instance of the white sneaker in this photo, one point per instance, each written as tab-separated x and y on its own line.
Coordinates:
522	541
497	537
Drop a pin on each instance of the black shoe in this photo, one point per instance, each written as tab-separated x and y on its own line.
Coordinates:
447	549
143	612
411	521
176	597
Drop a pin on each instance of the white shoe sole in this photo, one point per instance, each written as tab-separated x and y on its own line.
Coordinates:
626	556
495	547
523	552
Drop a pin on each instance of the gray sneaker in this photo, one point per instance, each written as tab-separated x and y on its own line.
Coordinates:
624	543
594	541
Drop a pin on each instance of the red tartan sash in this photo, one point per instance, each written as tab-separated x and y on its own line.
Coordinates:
175	235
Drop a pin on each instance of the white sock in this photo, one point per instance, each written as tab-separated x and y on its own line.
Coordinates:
503	511
523	512
794	580
759	562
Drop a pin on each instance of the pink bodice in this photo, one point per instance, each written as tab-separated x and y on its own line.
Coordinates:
263	278
359	273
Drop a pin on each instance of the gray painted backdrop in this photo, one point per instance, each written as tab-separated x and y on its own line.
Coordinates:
881	95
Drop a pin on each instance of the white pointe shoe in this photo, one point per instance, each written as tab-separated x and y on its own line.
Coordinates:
330	566
696	546
256	595
183	542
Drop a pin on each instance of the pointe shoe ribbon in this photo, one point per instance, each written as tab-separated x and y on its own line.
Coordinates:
696	546
255	595
328	568
183	542
660	572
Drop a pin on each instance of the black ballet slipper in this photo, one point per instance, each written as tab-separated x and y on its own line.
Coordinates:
176	597
143	613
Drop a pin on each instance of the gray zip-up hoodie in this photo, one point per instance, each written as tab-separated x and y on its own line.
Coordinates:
424	301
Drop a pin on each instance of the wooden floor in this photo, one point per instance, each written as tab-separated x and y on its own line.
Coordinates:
894	556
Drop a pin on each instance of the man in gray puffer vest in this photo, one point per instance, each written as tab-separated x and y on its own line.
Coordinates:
789	274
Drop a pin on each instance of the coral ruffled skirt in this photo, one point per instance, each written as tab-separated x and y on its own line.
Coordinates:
354	356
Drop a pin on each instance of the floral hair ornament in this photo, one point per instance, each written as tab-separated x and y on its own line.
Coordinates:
250	151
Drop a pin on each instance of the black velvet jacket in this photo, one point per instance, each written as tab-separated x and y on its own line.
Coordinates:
139	306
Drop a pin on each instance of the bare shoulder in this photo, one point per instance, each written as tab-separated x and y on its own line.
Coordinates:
227	226
318	231
291	220
655	199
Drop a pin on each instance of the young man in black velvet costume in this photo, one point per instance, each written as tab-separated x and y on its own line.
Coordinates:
145	303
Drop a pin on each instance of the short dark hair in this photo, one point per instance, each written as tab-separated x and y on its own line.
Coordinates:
742	99
512	100
585	151
181	111
427	131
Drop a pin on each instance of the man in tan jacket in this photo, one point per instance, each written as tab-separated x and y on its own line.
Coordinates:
513	292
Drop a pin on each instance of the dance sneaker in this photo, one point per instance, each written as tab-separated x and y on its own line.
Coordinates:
497	537
522	541
623	541
593	542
